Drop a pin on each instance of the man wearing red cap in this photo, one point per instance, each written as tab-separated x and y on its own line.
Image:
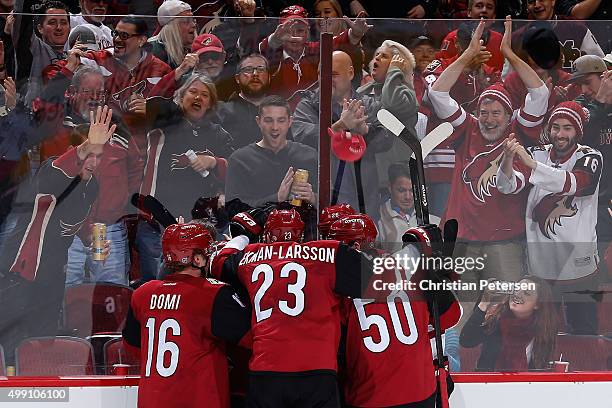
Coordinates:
295	60
478	141
563	181
207	56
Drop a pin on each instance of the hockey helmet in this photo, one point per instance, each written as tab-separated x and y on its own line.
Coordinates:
181	240
282	226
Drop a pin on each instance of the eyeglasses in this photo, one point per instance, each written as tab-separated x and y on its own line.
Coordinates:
251	70
95	94
123	35
215	56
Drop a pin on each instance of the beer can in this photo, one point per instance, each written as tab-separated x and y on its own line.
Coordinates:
98	239
301	176
10	371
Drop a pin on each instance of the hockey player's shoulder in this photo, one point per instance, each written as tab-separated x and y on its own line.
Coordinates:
586	150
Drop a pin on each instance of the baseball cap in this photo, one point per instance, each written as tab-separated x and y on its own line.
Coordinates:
169	9
585	65
293	12
542	45
206	43
608	60
420	40
466	30
86	34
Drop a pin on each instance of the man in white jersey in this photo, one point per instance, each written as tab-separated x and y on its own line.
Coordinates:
561	209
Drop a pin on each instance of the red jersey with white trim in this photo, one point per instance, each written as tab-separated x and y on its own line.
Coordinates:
440	162
561	212
294	290
175	323
474	199
517	90
388	348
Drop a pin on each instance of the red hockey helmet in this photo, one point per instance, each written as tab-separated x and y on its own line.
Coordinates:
283	225
181	240
331	214
358	228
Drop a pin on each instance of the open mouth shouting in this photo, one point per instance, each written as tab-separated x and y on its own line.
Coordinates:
517	300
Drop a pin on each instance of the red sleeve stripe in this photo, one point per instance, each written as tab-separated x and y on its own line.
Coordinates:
457	118
528	120
569	185
155	143
31	246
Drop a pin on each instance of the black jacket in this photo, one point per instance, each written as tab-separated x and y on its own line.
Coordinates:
237	116
255	174
168	174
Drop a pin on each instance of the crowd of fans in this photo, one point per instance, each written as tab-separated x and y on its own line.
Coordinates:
207	105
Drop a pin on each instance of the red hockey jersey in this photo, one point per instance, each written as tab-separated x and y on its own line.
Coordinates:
294	291
388	350
180	324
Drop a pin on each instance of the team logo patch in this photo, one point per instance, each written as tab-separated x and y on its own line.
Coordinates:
207	41
481	173
550	210
433	65
126	95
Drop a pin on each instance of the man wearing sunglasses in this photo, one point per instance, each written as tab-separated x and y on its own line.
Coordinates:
130	71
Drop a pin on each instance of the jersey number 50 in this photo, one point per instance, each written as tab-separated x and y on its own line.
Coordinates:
163	347
365	322
294	289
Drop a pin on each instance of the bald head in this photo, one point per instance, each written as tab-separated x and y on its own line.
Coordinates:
342	75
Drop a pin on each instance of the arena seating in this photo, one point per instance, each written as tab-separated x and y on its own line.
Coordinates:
49	356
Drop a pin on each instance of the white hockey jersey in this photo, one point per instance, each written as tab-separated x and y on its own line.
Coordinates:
561	211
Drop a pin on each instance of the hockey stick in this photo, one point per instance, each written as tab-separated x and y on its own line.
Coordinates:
420	149
338	182
417	175
428	143
151	205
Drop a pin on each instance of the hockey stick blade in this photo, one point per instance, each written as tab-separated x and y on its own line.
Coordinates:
389	121
434	138
417	174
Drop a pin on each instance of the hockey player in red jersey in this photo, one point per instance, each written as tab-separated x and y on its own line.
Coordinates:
331	214
388	351
295	290
181	324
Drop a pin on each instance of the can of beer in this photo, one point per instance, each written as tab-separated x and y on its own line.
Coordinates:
300	175
10	371
98	238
